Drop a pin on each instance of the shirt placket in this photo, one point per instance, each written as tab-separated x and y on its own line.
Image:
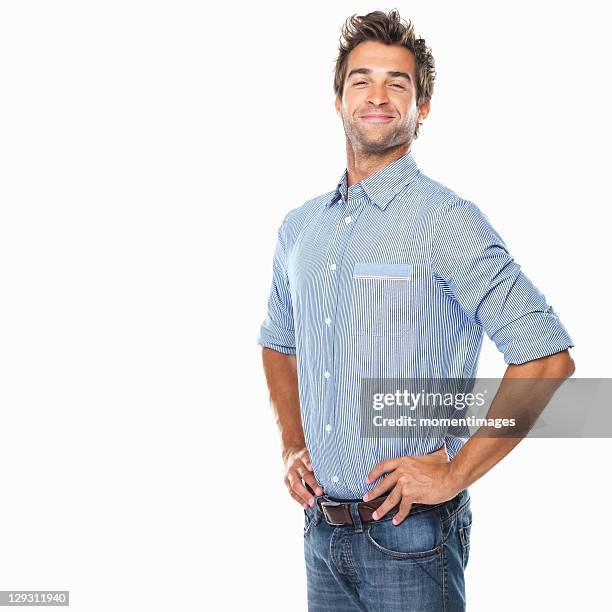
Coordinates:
348	216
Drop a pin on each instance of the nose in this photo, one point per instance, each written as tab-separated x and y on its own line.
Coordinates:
377	94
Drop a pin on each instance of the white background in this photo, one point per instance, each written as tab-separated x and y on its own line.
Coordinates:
149	151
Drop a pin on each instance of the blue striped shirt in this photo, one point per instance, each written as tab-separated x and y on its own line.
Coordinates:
395	277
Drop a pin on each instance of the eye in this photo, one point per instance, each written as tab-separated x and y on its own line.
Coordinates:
397	85
359	83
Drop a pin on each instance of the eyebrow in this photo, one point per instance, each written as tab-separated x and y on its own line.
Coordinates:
391	73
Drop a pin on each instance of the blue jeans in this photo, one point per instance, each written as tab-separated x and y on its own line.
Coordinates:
416	566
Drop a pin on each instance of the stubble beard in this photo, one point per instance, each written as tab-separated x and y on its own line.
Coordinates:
369	142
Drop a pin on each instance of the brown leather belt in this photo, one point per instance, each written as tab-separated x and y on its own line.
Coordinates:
339	513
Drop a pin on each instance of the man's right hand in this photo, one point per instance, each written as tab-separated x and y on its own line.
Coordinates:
297	468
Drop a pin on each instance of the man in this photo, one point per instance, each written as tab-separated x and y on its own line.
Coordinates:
390	275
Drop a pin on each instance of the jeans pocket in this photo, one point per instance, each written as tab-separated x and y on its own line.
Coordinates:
418	536
309	519
465	528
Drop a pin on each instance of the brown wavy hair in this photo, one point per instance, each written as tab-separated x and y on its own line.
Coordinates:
390	29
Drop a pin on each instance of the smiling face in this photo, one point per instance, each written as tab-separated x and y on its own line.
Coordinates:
378	105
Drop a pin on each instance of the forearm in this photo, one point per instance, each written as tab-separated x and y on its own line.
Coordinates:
281	376
485	449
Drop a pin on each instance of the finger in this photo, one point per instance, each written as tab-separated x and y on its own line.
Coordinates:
394	498
443	452
379	469
404	510
298	487
311	481
439	455
384	485
293	494
299	500
289	483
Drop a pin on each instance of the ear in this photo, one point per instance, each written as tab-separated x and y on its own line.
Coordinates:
424	110
338	105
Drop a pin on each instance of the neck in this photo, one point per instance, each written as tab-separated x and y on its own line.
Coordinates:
361	164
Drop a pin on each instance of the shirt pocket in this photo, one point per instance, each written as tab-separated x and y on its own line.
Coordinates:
382	298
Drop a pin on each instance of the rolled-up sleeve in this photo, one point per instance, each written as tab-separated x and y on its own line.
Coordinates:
277	331
472	263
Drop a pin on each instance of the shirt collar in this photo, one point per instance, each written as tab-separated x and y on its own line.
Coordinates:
382	186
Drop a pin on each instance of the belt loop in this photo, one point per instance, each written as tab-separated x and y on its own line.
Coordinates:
318	514
354	508
317	509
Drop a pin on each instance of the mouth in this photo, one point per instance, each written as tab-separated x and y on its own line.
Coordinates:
376	118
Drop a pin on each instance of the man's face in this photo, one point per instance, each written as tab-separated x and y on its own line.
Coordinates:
378	104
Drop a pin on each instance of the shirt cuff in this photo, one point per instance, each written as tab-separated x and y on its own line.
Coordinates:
534	335
277	338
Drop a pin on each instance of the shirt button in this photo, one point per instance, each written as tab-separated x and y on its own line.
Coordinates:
332	266
328	321
328	428
335	479
348	219
326	374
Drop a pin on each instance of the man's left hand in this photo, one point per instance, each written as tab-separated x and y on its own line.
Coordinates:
424	479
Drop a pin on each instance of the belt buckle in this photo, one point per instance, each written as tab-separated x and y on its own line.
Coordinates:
324	505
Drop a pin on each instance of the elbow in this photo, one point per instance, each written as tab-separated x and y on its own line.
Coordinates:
572	366
560	365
